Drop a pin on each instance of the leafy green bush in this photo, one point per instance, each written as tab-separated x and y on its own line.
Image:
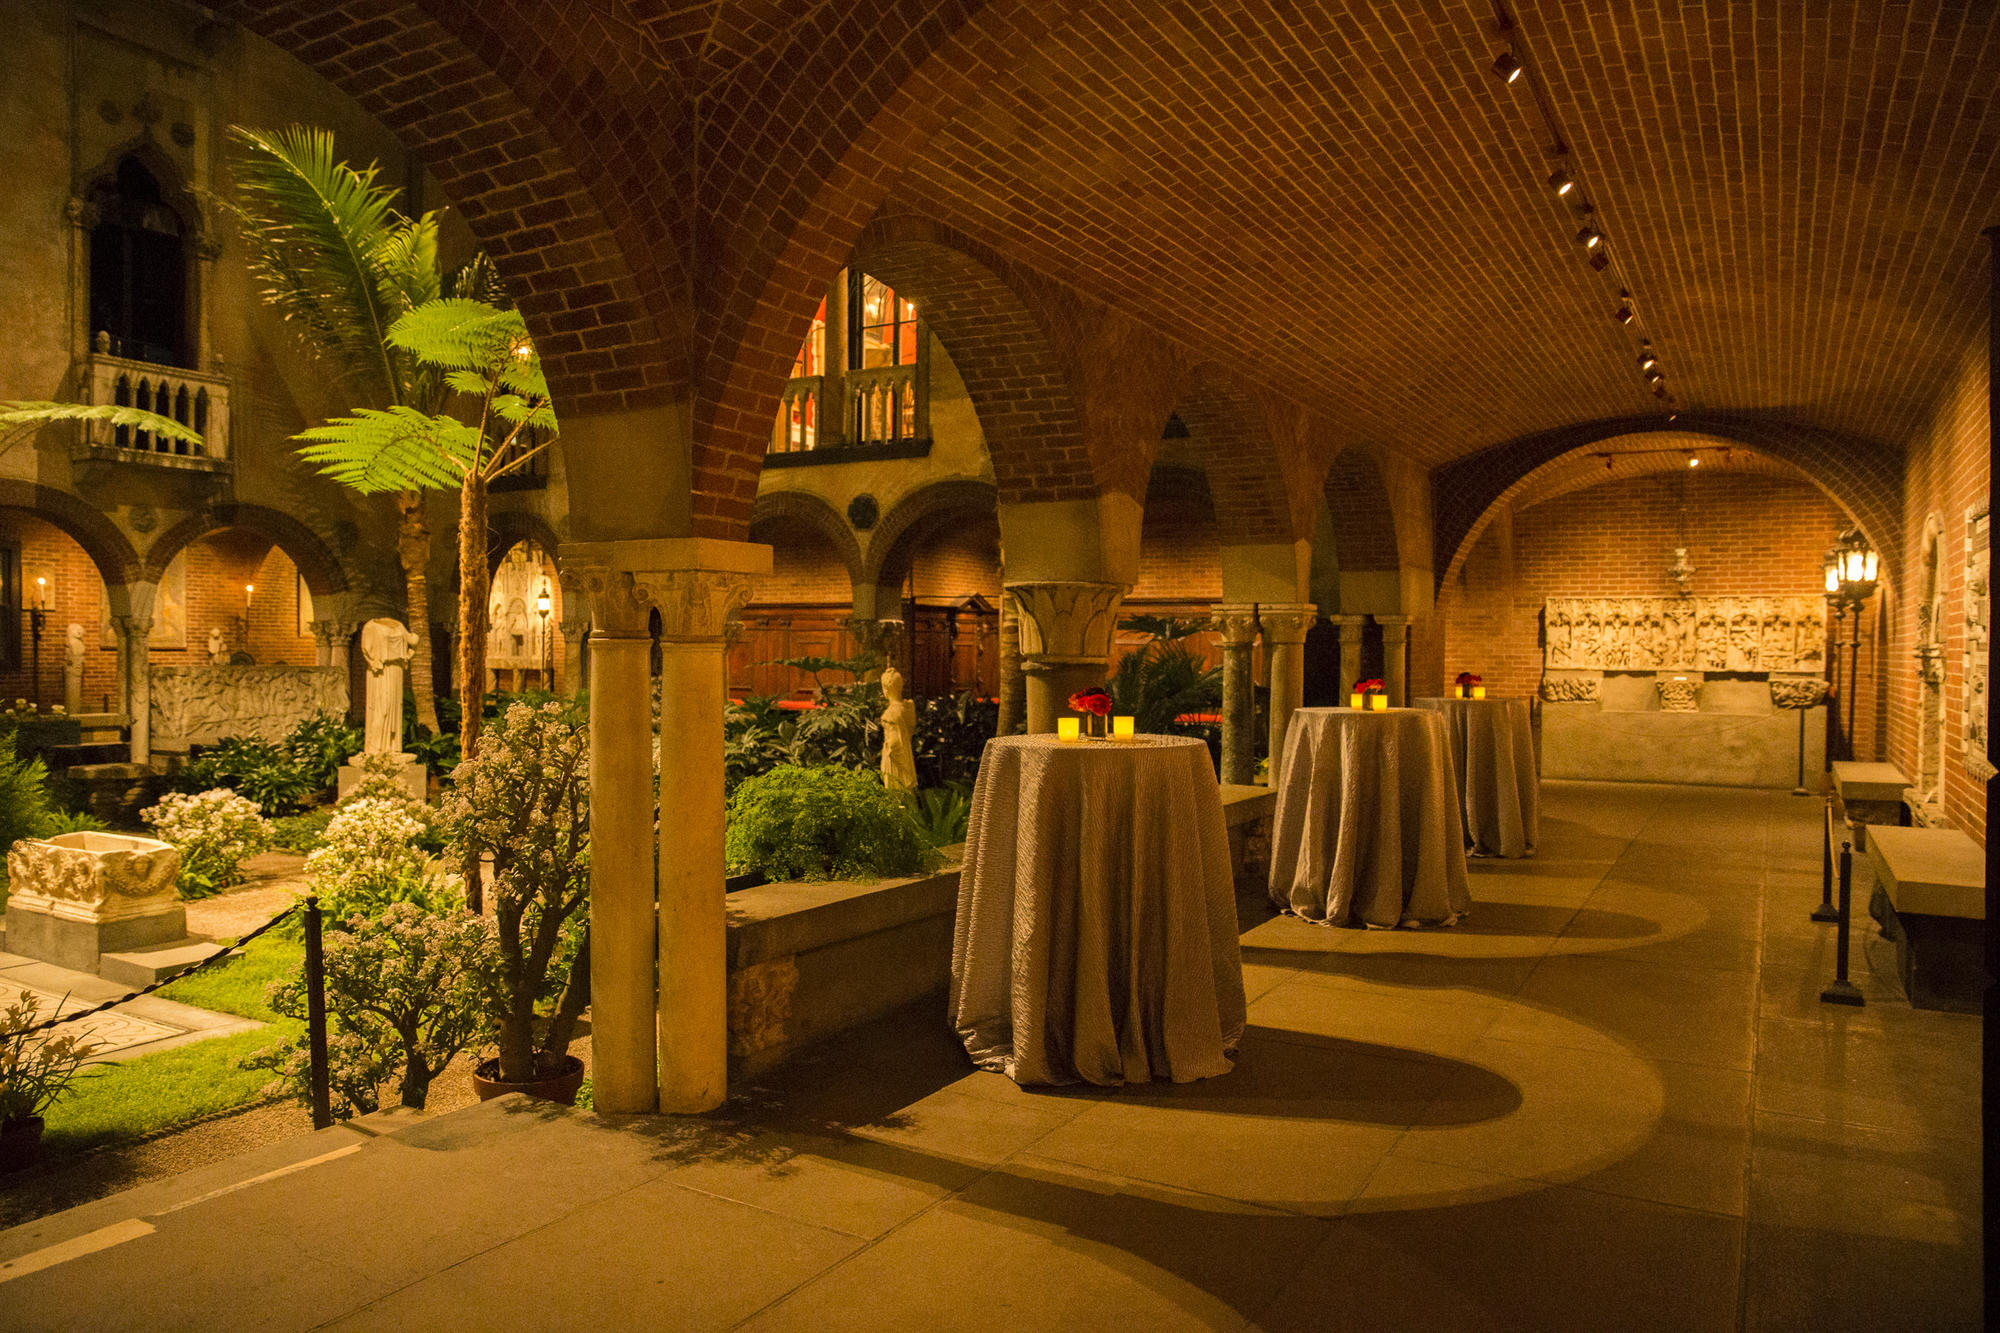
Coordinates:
824	823
320	745
845	731
951	735
1165	679
942	813
300	835
25	809
261	771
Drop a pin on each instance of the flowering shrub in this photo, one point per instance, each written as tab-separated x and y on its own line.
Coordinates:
369	857
404	995
215	831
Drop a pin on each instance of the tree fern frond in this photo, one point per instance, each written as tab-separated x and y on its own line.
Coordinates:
477	280
536	414
39	413
401	449
319	236
458	334
408	261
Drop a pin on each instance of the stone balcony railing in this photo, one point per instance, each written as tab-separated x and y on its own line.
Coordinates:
801	414
196	399
883	403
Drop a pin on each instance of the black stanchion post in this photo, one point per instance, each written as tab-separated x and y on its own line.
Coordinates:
1800	789
322	1104
1843	991
1826	911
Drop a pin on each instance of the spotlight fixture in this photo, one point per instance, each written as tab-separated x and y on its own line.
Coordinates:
1624	314
1672	417
1590	237
1561	182
1653	376
1507	67
1694	460
1647	361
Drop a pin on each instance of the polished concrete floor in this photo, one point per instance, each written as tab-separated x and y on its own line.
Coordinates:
1610	1101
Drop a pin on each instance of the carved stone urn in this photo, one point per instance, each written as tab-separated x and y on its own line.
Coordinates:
76	896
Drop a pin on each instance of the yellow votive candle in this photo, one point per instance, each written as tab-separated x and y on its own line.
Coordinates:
1122	728
1354	701
1479	691
1068	728
1378	702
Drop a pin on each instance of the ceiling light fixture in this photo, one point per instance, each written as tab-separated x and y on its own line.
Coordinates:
1694	460
1624	314
1507	67
1589	237
1562	182
1647	361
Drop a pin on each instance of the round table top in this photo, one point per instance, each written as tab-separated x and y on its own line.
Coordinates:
1447	702
1132	745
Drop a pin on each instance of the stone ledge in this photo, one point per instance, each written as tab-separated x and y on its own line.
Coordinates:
1859	781
1930	871
1247	805
778	920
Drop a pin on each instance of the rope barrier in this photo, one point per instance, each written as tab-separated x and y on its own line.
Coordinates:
188	971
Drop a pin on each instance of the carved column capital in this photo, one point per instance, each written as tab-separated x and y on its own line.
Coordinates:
619	606
1236	623
1286	623
1395	622
695	584
1067	623
1346	623
695	604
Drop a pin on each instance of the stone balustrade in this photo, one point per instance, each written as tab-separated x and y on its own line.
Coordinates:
196	399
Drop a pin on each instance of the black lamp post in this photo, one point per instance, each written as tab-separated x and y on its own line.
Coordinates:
543	605
1850	581
38	616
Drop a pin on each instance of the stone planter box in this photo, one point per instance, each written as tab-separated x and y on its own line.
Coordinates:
75	897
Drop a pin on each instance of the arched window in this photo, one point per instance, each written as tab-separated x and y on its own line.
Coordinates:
138	269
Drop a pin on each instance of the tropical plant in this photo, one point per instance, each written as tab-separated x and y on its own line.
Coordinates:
60	822
943	813
405	994
25	808
951	735
34	1069
264	772
524	800
215	832
1165	679
856	667
823	823
320	745
24	415
341	265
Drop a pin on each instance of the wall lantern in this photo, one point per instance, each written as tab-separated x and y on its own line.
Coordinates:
1850	569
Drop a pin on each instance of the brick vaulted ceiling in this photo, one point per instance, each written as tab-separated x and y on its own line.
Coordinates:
1344	199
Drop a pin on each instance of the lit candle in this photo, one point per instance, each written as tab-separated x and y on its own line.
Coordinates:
1479	691
1068	728
41	594
249	591
1378	702
1355	701
1121	728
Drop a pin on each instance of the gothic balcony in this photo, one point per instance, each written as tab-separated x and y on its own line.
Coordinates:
194	398
883	417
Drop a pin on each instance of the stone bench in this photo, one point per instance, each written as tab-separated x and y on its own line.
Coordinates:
1872	794
1930	898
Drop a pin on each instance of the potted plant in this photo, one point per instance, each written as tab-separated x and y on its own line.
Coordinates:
34	1071
524	800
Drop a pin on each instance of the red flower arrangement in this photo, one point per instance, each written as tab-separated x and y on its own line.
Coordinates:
1093	701
1466	678
1373	685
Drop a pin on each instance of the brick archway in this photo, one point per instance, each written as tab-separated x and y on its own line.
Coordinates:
1018	384
1228	436
100	539
1363	516
892	548
317	564
1862	477
799	509
509	528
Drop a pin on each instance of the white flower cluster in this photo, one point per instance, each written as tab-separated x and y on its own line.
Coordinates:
216	832
371	852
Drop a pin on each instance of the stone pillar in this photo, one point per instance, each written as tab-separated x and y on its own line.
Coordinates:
1012	686
575	634
1238	627
1349	628
1066	631
1284	630
1396	659
135	673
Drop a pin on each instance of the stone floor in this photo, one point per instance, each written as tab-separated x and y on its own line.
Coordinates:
1610	1101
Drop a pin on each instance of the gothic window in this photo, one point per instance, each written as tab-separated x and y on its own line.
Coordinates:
886	342
812	352
138	268
888	327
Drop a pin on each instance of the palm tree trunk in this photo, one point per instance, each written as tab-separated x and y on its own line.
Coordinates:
474	586
413	547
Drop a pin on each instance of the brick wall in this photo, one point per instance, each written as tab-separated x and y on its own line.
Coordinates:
1947	472
805	569
218	567
1747	535
960	562
1180	559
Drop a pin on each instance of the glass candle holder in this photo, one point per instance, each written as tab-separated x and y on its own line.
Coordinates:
1479	691
1122	728
1068	728
1378	702
1356	701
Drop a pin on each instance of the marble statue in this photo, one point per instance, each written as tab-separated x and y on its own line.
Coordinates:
73	670
218	649
385	647
899	724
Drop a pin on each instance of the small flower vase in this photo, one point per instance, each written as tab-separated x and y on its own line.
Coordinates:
1095	728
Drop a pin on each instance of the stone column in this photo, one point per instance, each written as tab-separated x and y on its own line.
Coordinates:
135	673
1012	686
1066	631
1349	628
1238	627
1284	629
575	635
1396	659
622	996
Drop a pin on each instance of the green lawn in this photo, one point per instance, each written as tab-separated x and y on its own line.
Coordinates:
156	1092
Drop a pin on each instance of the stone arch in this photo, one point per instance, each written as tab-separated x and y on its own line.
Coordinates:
1018	384
893	545
493	104
317	564
801	509
508	528
1227	435
107	547
1863	477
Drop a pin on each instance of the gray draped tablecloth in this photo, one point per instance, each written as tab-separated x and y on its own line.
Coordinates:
1096	932
1368	831
1493	752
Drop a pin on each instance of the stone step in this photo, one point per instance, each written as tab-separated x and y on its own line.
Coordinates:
143	967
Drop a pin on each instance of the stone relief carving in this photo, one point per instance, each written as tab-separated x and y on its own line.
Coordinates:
1685	634
1927	793
1572	689
1679	695
93	876
1978	637
1067	622
1797	691
199	705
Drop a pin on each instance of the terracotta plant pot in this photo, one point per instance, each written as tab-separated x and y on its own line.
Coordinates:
20	1144
486	1081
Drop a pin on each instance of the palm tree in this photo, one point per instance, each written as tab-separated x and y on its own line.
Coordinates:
341	265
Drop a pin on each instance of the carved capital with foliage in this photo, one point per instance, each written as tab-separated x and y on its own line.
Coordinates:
1286	623
1236	623
1067	622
